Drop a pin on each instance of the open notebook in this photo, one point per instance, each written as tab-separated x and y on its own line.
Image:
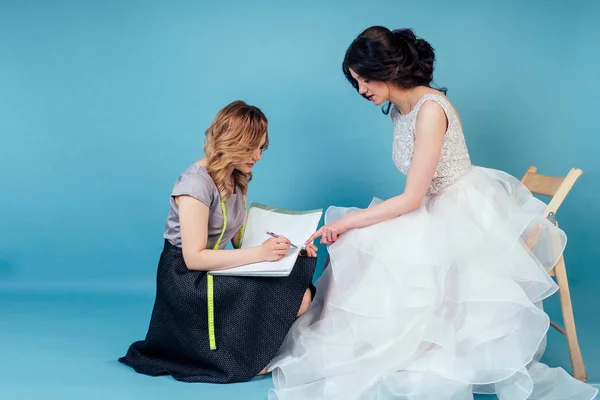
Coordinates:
295	225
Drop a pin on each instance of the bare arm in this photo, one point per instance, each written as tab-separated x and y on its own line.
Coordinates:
430	130
431	127
193	217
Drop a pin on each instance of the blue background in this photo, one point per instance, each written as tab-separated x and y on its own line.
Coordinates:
103	104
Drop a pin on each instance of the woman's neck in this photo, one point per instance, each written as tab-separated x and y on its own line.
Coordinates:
404	99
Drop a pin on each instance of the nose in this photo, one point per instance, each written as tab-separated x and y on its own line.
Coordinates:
257	155
362	89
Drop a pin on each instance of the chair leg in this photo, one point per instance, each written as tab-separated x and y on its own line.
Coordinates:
569	321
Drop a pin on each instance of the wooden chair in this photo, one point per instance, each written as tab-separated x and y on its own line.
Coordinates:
557	188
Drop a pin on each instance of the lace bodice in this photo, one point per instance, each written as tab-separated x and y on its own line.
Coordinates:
454	160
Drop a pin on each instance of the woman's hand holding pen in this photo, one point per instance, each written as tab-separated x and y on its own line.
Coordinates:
277	246
274	248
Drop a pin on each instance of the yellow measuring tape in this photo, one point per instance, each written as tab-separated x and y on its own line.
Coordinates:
210	284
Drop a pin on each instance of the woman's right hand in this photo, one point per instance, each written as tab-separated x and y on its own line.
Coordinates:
274	249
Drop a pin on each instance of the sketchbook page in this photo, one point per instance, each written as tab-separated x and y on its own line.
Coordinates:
280	268
297	226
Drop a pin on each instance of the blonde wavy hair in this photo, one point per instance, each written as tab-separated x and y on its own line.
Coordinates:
234	134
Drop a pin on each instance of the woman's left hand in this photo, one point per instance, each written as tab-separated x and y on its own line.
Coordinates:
330	233
310	250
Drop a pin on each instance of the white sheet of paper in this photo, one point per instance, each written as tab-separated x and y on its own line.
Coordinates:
296	226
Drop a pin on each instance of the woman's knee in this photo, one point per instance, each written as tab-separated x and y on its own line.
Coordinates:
306	300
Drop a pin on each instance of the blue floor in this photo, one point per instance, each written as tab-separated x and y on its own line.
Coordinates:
65	346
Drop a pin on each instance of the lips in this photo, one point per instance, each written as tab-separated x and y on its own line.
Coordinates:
250	165
370	97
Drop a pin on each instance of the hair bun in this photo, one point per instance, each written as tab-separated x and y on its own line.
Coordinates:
420	49
405	34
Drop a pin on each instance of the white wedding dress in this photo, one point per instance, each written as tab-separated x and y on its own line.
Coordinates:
436	304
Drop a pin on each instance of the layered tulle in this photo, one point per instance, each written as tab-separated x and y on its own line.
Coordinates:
437	304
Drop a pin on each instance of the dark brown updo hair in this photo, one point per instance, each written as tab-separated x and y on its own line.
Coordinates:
398	56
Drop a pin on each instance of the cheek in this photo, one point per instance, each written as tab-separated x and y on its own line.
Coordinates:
382	89
241	167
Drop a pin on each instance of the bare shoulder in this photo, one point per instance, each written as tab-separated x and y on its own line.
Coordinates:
436	111
431	109
431	118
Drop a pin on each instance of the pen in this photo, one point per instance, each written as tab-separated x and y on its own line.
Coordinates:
276	236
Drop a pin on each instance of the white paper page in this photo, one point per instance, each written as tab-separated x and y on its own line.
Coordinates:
282	267
297	227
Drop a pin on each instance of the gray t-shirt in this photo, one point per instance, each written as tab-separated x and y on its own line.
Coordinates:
196	182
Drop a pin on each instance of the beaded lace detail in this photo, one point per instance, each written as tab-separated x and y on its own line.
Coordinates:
454	161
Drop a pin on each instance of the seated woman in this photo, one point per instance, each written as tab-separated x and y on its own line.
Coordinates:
434	293
219	329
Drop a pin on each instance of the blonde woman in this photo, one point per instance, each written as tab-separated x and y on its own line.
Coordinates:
219	329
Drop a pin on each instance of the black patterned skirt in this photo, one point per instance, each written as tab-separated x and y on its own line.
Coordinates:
252	317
